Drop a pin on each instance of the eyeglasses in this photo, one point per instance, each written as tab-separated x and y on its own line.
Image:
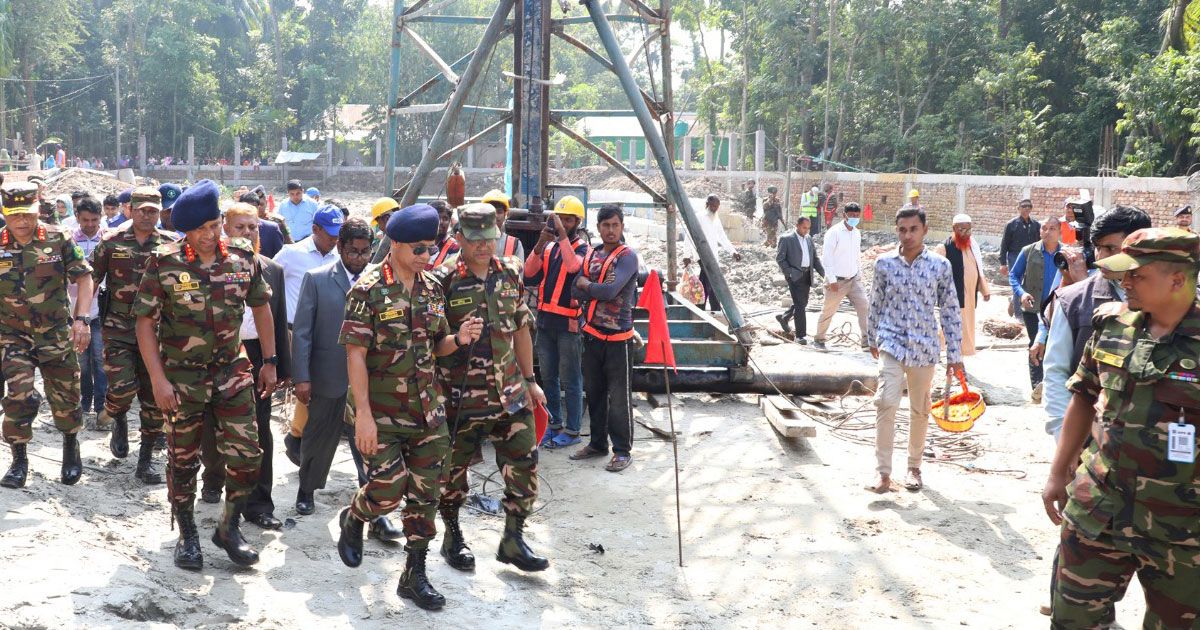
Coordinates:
420	250
357	253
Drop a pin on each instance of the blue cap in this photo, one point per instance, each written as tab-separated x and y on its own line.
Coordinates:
330	218
313	192
413	224
198	205
170	194
126	196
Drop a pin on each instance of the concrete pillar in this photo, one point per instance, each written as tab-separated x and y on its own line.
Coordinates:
962	198
142	153
424	146
328	156
760	156
378	151
237	159
471	156
708	152
733	151
686	151
620	155
283	144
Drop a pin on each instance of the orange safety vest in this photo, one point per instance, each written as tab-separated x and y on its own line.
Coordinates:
510	245
550	302
591	312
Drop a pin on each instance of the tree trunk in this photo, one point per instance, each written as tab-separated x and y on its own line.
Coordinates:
741	156
806	76
30	113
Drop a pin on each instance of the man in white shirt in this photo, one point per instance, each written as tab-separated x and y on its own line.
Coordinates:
312	252
718	241
93	382
843	245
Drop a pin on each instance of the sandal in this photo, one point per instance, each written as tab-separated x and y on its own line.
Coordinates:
618	463
586	452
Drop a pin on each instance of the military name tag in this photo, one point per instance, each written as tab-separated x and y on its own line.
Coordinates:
1108	358
461	302
119	255
187	286
392	314
5	265
1181	443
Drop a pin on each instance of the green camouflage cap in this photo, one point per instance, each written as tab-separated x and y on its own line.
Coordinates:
20	198
1154	245
145	196
477	222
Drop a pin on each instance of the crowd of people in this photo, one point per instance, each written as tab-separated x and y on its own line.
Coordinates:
1114	349
203	305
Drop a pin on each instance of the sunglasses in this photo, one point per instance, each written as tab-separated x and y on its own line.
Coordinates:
420	250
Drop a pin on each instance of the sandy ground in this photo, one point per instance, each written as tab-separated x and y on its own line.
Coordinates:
776	533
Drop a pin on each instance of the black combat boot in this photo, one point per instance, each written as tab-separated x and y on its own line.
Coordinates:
350	543
19	470
72	465
119	442
454	547
381	529
145	463
513	549
415	585
187	548
240	551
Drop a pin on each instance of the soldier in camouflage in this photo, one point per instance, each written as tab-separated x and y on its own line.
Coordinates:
490	386
395	327
37	262
1134	503
196	292
121	259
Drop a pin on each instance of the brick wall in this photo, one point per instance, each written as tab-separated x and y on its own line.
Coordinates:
991	201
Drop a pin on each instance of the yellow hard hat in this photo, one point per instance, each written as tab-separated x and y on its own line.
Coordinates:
913	193
383	205
496	196
569	205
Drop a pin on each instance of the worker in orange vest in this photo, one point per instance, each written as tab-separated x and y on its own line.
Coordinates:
507	244
553	266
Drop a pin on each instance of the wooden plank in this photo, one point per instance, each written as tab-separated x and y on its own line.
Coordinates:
786	421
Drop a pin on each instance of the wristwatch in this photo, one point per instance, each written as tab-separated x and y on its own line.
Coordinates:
80	318
271	360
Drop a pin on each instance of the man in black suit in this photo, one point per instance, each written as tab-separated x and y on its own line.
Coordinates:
319	368
241	222
797	258
270	238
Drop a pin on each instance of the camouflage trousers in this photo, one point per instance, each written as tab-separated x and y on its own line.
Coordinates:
127	376
53	354
407	466
228	394
772	231
1090	577
514	437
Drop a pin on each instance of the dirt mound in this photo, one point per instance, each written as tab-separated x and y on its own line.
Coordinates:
95	183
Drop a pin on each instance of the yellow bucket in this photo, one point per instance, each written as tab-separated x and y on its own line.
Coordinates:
959	412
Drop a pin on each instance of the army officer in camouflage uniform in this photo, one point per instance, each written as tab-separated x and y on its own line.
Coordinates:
121	259
490	386
197	291
37	262
395	327
1134	503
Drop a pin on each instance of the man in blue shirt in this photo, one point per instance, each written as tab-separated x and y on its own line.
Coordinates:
297	211
1032	280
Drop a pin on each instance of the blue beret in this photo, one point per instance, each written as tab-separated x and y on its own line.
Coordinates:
126	196
196	206
413	224
170	193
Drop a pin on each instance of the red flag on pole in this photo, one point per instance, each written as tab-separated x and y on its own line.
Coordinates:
658	346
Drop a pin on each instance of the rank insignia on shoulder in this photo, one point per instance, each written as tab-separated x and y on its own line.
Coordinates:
1108	358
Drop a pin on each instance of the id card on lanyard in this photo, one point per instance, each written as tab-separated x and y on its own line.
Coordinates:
1181	442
